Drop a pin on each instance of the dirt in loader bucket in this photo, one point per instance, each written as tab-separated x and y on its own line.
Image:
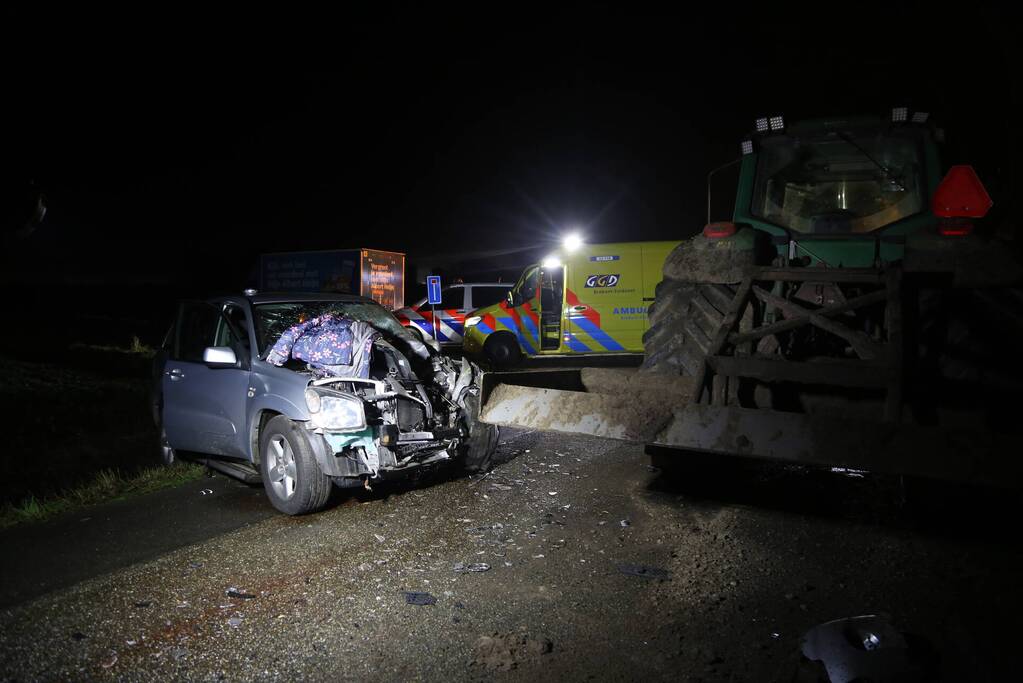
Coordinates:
618	403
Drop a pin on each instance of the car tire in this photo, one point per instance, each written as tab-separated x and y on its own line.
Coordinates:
292	479
168	456
481	444
502	350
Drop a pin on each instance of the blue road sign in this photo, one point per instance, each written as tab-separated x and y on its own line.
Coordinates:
433	289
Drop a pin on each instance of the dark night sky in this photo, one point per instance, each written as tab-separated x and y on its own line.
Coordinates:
174	148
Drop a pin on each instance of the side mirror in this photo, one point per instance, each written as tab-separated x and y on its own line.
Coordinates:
219	357
511	297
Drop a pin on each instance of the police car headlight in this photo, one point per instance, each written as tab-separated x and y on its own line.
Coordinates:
337	412
473	320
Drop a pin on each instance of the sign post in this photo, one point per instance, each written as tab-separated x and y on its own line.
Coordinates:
433	298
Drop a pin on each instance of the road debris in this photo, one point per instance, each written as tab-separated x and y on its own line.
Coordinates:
475	567
643	571
206	492
625	523
233	592
504	652
235	622
864	648
419	598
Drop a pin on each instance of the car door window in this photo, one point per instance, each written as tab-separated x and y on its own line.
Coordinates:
452	298
233	329
196	330
485	295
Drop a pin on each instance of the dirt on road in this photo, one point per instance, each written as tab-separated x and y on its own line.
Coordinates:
573	559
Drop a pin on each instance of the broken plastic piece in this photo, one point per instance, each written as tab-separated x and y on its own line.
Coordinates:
233	592
475	567
417	598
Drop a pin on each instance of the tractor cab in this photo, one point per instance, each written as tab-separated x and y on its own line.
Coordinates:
839	192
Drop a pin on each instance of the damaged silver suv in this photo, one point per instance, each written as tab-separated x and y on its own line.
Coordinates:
309	391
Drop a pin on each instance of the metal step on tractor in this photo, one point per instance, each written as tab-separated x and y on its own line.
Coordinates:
856	312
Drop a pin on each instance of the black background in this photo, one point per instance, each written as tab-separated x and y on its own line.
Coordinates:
175	145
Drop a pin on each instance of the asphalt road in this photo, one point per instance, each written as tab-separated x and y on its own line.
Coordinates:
734	565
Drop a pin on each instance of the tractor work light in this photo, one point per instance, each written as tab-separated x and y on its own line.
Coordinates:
551	261
920	117
747	147
900	114
762	125
777	123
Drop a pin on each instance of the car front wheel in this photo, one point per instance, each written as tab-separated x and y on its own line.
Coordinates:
291	477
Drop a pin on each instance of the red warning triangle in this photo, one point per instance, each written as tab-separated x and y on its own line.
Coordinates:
961	195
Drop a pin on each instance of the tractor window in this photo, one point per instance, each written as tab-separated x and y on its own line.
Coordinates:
839	182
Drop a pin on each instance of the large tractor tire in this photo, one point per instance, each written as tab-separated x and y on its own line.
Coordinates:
684	318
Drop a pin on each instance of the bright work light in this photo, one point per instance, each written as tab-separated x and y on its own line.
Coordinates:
551	261
777	123
920	117
747	147
900	114
762	125
572	241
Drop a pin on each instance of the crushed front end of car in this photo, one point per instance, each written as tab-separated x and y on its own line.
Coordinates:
401	418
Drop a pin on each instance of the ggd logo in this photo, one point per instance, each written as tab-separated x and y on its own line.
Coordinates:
602	280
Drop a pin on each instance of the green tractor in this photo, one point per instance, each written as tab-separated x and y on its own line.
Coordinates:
853	313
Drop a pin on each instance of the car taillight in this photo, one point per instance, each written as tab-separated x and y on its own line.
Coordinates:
718	230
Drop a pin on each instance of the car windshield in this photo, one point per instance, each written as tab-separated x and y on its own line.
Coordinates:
272	320
840	182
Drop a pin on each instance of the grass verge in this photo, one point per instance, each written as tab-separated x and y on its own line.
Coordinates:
108	485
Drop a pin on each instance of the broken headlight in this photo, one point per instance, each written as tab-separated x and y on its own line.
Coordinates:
334	411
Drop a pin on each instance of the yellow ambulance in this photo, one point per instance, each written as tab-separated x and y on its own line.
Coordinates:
592	300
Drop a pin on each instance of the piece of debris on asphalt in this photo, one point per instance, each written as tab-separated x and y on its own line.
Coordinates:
79	636
643	571
418	598
504	652
234	621
552	493
625	523
475	567
233	592
143	603
365	567
380	539
863	648
206	492
110	662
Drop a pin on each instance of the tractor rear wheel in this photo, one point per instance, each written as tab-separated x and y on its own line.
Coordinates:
684	318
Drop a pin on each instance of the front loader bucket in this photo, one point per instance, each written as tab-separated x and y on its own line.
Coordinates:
654	409
606	402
